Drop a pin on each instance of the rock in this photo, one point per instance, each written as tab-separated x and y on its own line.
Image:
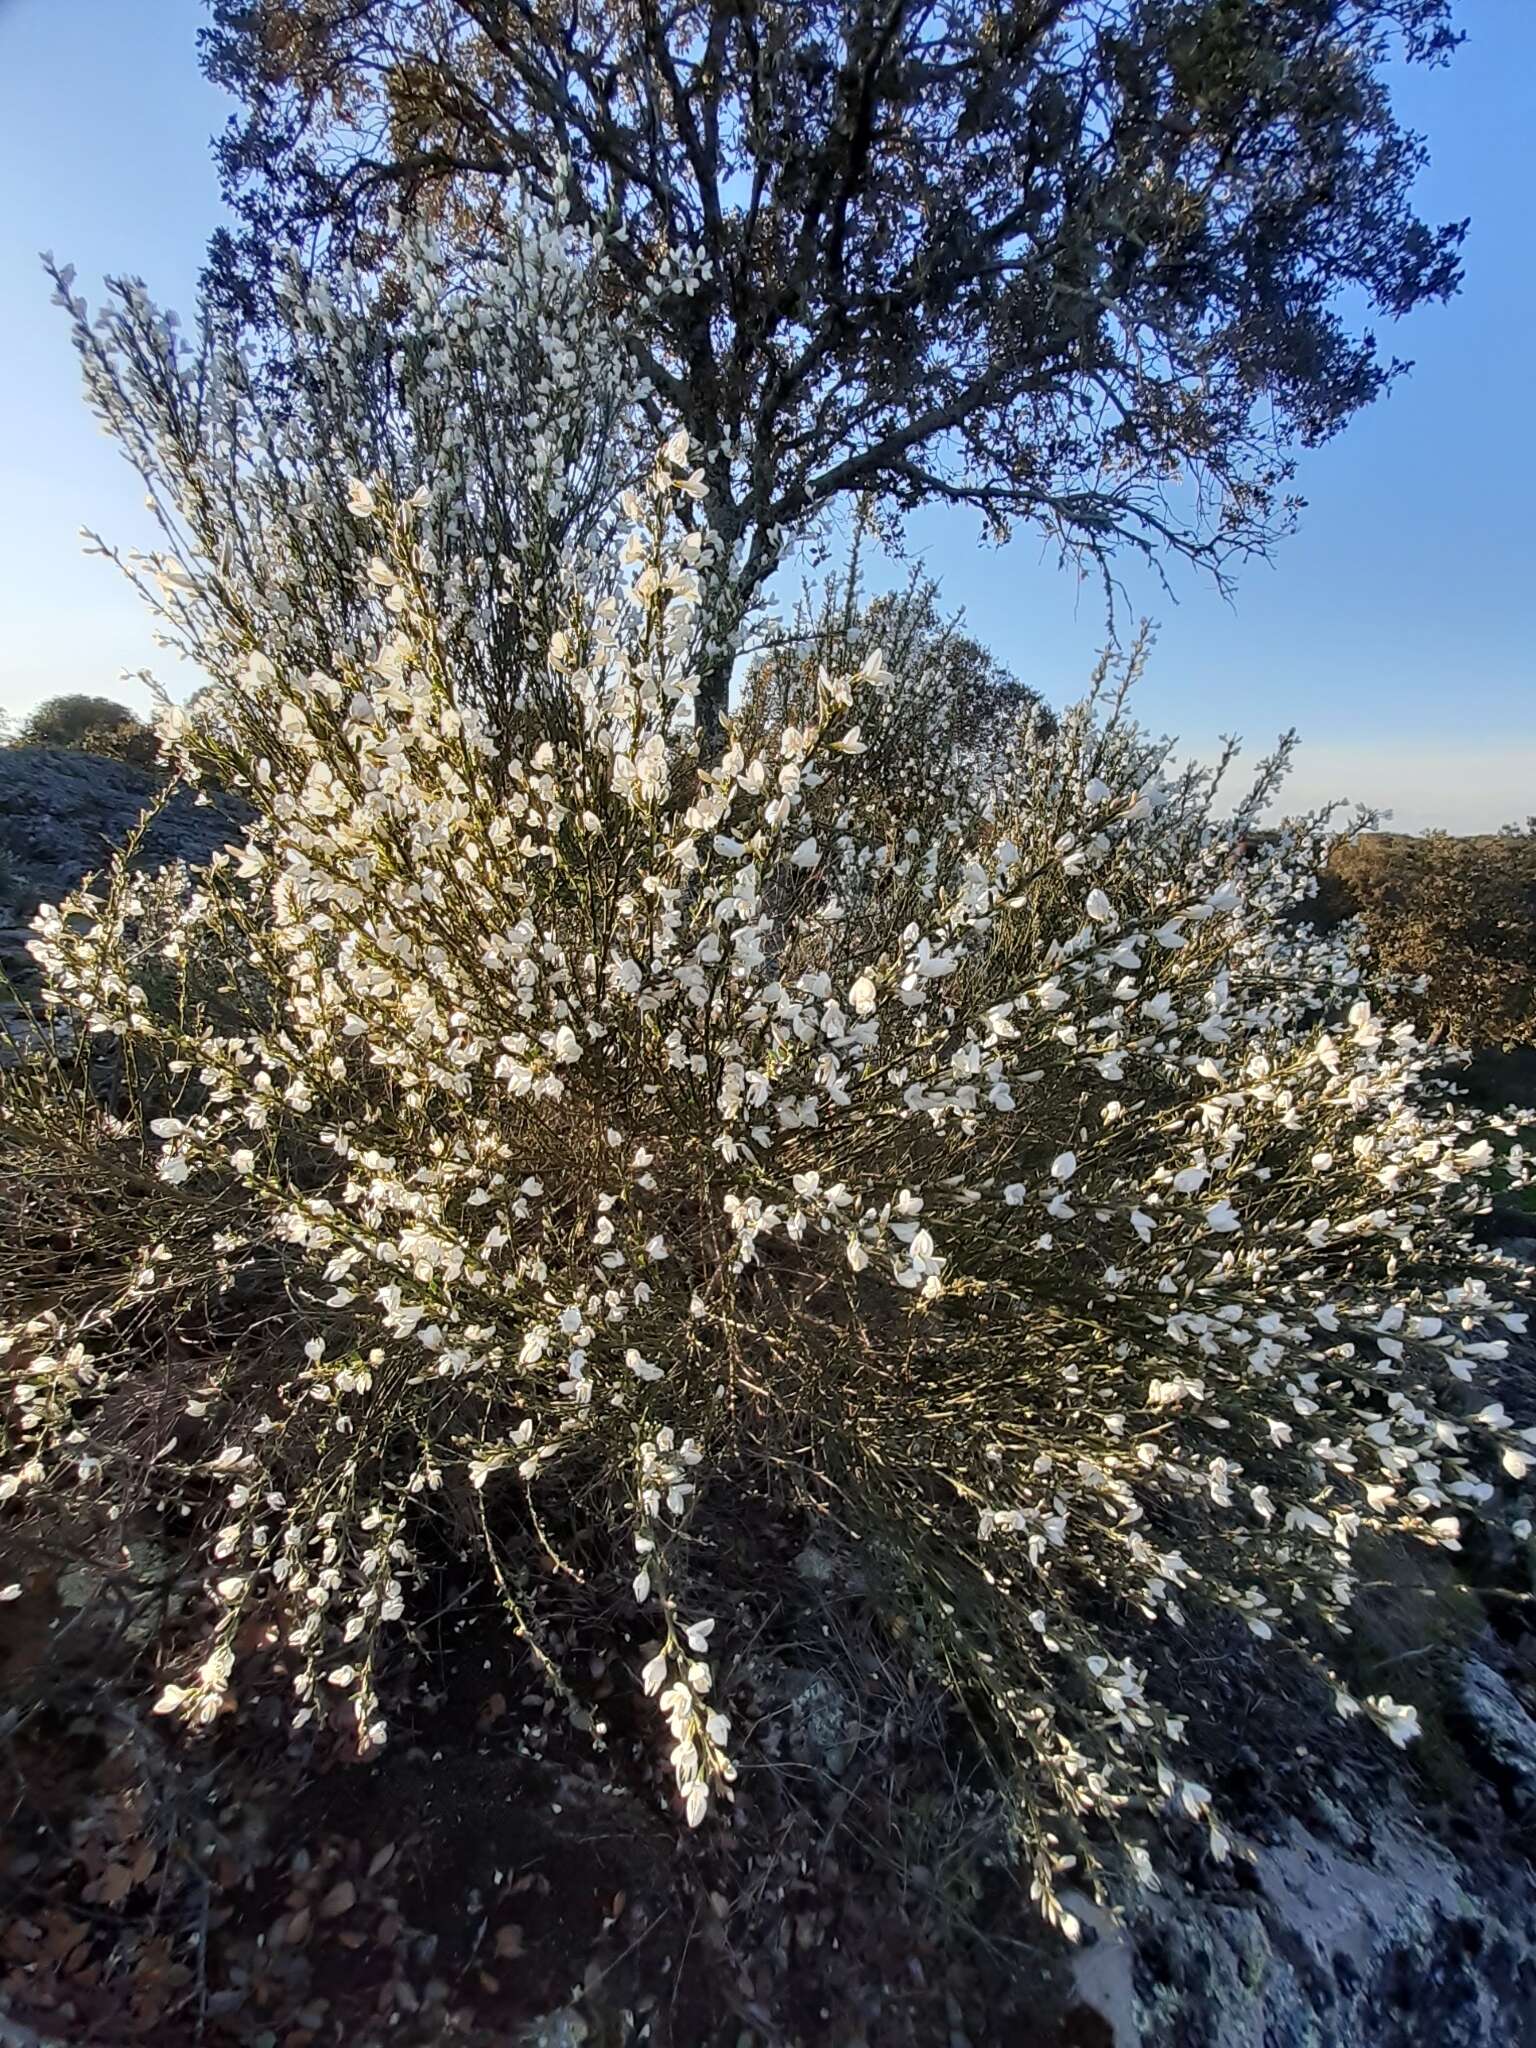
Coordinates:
808	1713
1403	1948
830	1570
130	1593
563	2029
63	813
816	1567
1503	1729
18	970
22	1034
823	1721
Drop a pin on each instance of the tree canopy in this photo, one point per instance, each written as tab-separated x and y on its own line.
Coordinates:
1096	266
92	725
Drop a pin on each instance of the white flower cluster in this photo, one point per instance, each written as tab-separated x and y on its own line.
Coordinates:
678	1675
507	381
1042	1197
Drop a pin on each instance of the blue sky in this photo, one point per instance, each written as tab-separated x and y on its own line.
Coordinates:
1393	629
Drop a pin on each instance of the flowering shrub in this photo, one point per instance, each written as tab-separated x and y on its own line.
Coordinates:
934	739
506	379
613	1135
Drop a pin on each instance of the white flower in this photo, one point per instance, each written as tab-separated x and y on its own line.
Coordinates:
550	1083
1399	1722
654	1676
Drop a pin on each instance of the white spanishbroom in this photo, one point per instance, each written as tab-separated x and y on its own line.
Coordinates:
623	1144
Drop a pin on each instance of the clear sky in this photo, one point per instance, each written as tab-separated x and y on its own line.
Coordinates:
1394	629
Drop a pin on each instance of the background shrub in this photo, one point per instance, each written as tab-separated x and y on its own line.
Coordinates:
1456	917
939	738
90	725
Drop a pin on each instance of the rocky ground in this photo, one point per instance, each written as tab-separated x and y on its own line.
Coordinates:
62	813
492	1879
61	816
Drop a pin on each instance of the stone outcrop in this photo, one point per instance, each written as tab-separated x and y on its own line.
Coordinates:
1362	1926
62	813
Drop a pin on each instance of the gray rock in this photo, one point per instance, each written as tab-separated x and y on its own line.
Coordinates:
830	1570
1401	1948
1503	1729
807	1714
63	813
130	1594
816	1567
823	1722
563	2029
22	1035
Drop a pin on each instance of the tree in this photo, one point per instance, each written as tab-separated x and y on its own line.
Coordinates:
91	725
1073	263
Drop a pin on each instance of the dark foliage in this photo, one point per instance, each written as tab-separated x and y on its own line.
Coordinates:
91	725
941	737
